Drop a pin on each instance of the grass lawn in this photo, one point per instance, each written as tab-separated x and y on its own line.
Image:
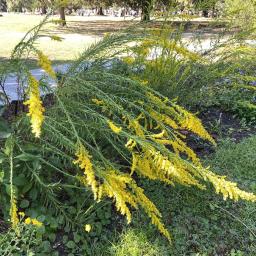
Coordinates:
80	33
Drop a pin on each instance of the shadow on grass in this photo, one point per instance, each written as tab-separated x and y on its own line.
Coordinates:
100	27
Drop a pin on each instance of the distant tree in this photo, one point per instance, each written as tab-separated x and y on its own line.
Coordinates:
146	6
42	4
99	4
3	5
205	6
18	5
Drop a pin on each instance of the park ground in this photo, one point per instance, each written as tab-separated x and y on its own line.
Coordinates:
79	33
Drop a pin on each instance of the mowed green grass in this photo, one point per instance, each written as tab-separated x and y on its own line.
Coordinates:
14	26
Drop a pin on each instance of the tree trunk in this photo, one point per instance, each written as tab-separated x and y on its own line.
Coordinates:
213	12
100	11
3	6
146	10
62	16
205	13
20	8
43	9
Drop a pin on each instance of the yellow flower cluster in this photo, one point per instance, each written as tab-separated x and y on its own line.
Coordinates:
46	64
87	228
21	214
136	127
154	165
124	190
84	162
161	40
120	187
179	147
104	106
128	60
114	128
157	32
34	222
143	50
178	118
98	102
107	34
163	118
190	122
35	106
227	188
144	82
116	186
151	210
13	212
183	51
130	144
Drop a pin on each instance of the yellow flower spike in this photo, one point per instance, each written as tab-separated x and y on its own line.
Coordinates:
194	124
84	162
134	163
135	125
114	128
35	106
150	209
116	186
227	188
156	32
13	213
159	135
46	64
87	228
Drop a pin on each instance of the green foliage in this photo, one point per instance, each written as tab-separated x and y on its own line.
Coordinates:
23	241
232	84
134	242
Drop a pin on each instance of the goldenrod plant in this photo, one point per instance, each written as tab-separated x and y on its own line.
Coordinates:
104	131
